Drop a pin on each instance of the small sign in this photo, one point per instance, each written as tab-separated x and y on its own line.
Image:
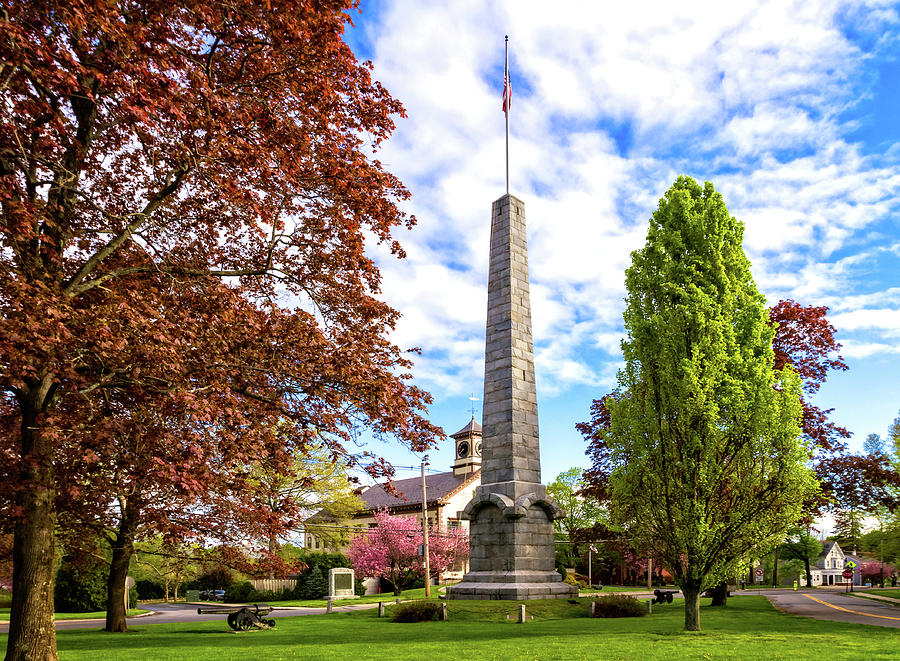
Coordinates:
849	564
759	574
847	573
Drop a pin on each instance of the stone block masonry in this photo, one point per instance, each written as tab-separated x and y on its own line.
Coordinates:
511	516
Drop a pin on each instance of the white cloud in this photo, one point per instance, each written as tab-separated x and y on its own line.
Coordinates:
610	103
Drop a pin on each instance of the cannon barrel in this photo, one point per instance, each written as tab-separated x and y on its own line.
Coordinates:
256	609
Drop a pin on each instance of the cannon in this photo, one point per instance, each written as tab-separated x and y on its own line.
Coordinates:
243	618
663	596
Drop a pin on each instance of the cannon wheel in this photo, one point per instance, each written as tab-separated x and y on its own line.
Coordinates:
231	621
669	598
244	621
269	623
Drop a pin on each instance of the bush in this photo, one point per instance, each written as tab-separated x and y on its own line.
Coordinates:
262	596
359	587
618	605
147	589
417	611
80	587
132	597
561	570
217	578
239	592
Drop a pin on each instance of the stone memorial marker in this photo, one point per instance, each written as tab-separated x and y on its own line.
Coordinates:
341	583
511	516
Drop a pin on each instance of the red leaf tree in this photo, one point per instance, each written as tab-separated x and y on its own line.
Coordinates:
390	550
185	193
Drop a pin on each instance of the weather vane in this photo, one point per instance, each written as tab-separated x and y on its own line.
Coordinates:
473	399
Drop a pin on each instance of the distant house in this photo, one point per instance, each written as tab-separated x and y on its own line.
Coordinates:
447	495
830	564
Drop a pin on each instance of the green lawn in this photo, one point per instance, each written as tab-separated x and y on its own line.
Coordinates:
418	593
749	628
626	588
4	614
888	592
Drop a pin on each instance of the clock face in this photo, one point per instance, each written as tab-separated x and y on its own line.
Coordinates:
478	448
462	449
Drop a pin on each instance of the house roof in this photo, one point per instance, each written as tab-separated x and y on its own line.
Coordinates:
826	549
471	428
439	487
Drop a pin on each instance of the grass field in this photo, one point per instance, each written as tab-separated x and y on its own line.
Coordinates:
4	614
887	592
749	628
418	593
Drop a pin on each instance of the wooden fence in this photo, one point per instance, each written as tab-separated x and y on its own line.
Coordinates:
274	584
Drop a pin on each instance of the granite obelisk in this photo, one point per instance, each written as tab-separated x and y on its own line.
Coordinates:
511	516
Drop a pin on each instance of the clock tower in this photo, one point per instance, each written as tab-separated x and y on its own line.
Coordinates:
468	448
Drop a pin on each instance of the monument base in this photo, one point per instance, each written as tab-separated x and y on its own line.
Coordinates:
549	585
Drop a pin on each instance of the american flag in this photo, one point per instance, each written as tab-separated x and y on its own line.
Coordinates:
507	92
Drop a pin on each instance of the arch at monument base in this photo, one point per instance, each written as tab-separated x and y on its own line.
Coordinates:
511	542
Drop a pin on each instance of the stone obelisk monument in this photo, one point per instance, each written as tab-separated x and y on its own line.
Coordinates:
511	516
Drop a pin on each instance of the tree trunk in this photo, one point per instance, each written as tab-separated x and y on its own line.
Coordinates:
122	550
720	595
808	572
32	634
691	607
775	568
273	551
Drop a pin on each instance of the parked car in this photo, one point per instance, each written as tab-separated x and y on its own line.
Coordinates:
212	595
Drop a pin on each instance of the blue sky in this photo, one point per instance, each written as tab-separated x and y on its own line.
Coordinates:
790	109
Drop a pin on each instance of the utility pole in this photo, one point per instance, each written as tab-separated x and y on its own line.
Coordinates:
425	530
649	573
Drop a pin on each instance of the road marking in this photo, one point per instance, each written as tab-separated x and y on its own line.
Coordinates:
847	610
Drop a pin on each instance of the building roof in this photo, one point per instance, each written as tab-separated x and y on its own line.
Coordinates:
471	428
826	549
439	487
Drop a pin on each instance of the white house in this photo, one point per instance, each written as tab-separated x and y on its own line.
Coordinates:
830	565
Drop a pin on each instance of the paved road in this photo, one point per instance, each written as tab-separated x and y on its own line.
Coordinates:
168	613
835	606
819	604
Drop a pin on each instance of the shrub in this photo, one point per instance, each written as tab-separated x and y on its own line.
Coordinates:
147	589
561	570
359	587
80	587
417	611
262	596
132	597
618	605
239	592
217	578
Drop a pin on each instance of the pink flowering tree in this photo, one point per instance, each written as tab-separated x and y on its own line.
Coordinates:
390	550
876	571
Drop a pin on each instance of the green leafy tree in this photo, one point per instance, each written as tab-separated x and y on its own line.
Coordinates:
848	529
894	439
801	545
315	585
315	482
704	435
581	512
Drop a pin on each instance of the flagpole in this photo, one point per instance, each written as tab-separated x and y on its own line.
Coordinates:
506	82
